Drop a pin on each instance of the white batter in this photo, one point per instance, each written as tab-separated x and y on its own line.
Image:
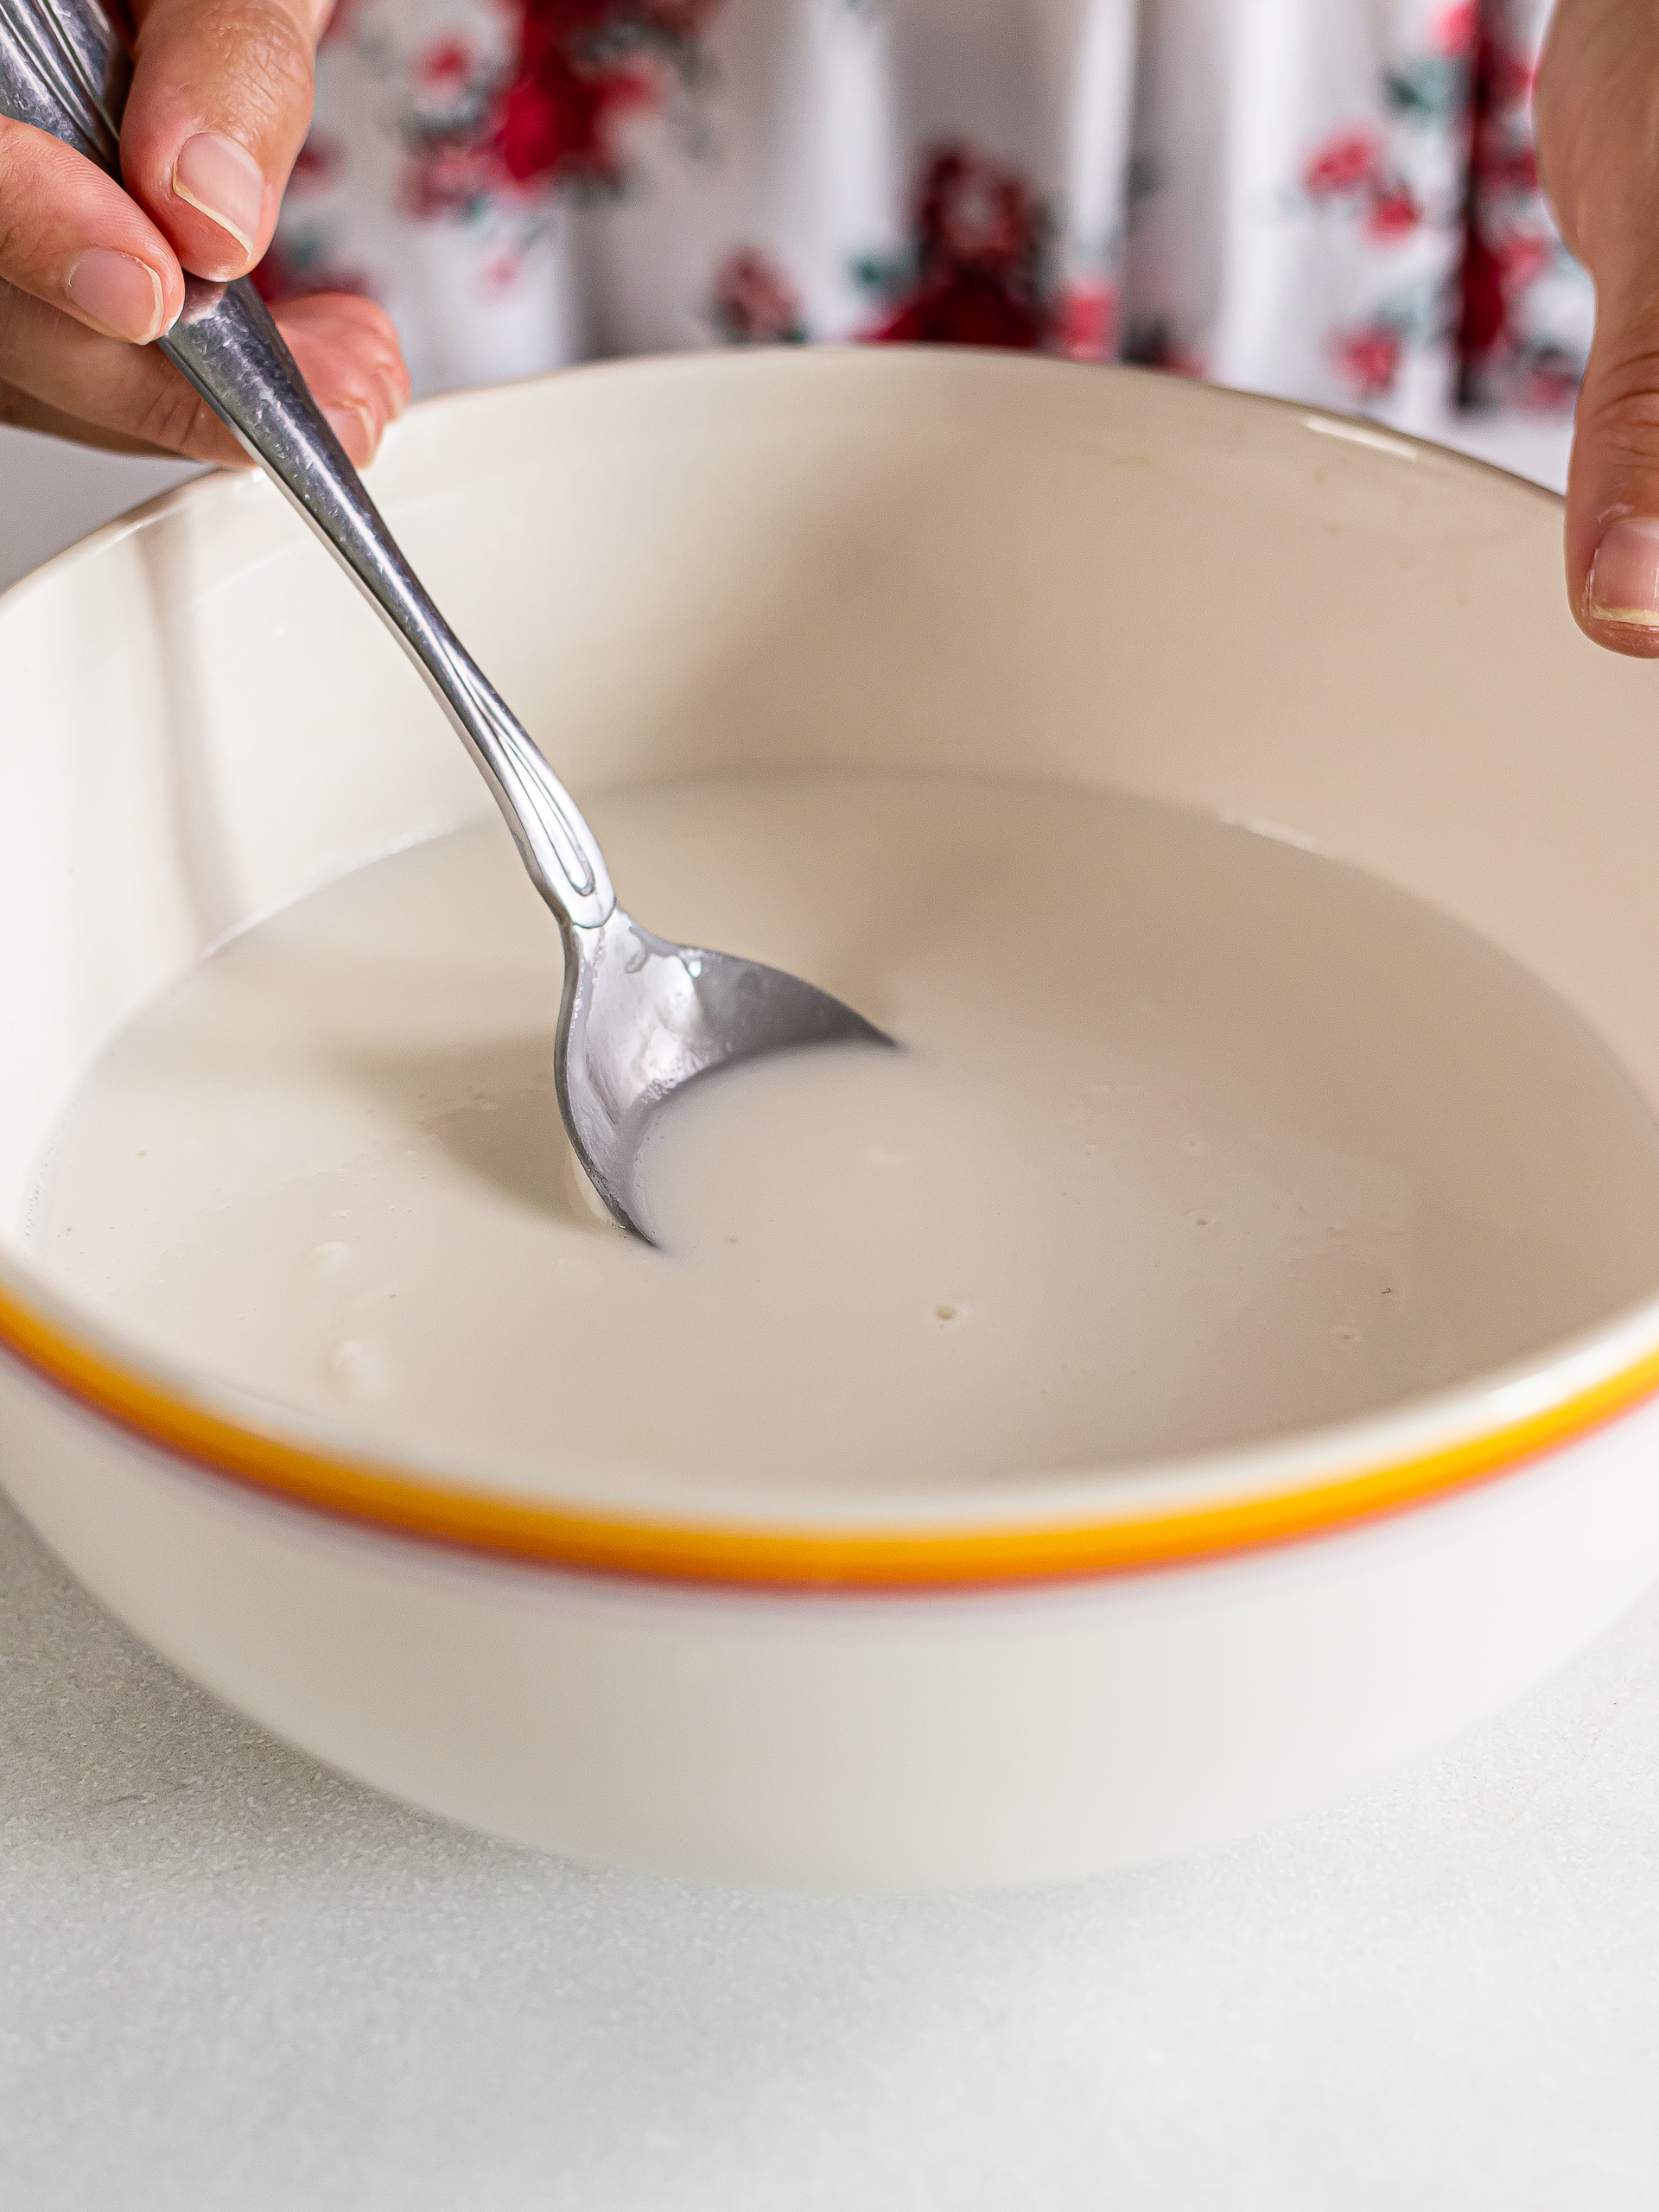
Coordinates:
1199	1138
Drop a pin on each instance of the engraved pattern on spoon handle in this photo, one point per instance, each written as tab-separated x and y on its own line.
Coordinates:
62	70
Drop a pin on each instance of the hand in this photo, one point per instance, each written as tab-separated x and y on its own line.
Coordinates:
91	273
1597	120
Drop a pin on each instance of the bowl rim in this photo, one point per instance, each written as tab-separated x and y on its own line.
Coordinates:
1083	1524
1158	1515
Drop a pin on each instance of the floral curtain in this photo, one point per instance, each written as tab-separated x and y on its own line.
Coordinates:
1334	199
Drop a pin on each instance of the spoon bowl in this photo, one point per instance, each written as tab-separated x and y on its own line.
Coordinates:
642	1018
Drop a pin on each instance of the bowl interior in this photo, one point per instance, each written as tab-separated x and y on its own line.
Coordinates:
921	561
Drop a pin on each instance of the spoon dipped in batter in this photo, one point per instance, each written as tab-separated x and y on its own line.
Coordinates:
640	1017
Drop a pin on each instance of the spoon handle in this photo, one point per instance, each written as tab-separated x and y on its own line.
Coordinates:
62	70
227	346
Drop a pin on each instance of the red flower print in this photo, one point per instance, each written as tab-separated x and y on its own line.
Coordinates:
290	273
981	239
554	122
1505	77
1086	328
1525	256
445	65
1454	34
1348	163
1392	213
1369	357
1353	168
581	66
1494	277
316	165
755	303
1507	243
449	174
1512	168
1549	379
501	272
472	136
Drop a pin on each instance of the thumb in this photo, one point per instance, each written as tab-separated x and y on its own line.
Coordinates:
1593	114
220	100
1612	493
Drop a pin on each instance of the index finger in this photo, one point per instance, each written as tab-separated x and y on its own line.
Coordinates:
70	238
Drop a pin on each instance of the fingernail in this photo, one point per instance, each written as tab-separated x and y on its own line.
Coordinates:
222	179
120	293
354	427
1624	584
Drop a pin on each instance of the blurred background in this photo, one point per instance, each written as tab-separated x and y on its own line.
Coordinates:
1336	203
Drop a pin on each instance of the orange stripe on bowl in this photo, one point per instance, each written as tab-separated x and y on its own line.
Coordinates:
794	1558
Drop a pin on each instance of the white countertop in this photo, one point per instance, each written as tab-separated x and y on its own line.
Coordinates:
229	1978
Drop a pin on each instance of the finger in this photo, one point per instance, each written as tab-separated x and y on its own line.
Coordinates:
346	349
220	105
58	377
61	372
1598	163
1612	496
73	239
21	411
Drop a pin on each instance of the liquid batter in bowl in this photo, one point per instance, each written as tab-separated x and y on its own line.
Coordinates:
1197	1138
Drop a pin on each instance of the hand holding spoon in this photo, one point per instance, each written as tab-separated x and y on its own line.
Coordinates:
640	1017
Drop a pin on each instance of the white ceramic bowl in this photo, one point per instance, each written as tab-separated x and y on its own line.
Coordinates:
924	559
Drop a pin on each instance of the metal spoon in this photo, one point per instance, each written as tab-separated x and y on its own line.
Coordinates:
640	1017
